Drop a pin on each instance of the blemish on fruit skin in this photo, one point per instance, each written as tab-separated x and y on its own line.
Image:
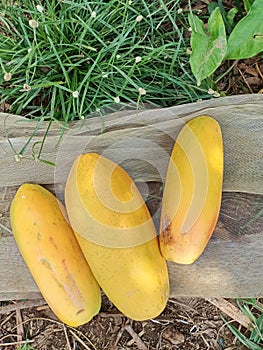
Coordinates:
80	311
70	287
46	263
51	240
166	233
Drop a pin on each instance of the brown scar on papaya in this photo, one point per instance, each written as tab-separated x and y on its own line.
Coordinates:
79	311
51	240
166	233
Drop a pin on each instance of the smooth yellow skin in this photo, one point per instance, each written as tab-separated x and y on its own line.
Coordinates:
125	256
192	192
51	251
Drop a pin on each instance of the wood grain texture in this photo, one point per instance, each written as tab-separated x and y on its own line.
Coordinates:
141	141
231	265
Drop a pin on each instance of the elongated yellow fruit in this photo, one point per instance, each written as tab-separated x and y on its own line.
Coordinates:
192	192
117	235
50	250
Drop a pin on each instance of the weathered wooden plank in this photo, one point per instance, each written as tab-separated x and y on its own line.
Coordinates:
230	267
147	136
221	272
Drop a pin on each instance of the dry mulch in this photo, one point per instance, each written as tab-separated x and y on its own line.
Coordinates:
190	324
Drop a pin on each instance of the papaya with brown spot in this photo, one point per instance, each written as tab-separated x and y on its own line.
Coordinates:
51	252
192	192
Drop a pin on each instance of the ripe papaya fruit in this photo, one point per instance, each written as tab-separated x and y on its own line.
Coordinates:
50	250
117	236
192	192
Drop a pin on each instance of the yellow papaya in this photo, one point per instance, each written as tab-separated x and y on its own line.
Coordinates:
50	250
192	192
117	235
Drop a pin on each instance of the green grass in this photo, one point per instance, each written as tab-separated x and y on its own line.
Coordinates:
79	57
252	339
26	346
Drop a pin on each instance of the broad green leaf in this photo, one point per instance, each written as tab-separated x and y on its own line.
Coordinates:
246	39
247	4
208	47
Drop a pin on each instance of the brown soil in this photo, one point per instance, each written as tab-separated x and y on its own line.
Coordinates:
242	77
190	324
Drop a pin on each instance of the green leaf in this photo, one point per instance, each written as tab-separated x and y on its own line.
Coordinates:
247	4
231	16
208	48
212	6
246	39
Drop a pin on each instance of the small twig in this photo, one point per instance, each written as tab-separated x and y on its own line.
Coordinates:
259	71
74	330
221	328
119	335
184	305
161	321
226	72
19	328
66	336
5	228
21	305
79	340
6	319
43	307
136	338
244	78
133	341
230	310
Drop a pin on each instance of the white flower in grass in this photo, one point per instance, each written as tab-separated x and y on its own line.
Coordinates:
118	57
26	87
75	94
40	8
33	23
117	99
213	92
180	10
93	14
29	49
105	75
138	59
130	2
139	18
7	76
142	91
